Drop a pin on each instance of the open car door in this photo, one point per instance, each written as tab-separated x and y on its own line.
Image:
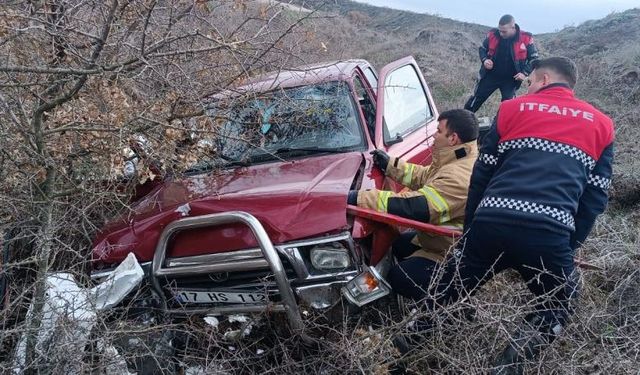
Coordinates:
406	117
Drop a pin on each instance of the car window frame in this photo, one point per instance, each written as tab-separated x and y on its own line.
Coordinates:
387	138
372	85
371	128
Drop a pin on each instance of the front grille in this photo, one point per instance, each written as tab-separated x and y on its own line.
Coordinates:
247	281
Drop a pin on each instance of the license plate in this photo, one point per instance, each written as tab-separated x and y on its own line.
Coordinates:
186	296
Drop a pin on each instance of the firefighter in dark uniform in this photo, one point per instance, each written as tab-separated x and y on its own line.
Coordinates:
506	56
436	193
541	179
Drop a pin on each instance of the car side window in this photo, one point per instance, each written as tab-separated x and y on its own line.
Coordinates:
406	106
371	77
366	104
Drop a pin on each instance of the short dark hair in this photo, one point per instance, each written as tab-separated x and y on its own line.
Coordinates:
563	66
462	122
506	19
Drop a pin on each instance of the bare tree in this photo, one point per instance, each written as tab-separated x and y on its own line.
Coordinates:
79	78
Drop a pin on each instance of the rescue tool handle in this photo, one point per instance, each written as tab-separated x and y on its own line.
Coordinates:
429	228
401	221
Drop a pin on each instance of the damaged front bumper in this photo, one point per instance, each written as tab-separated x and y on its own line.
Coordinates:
313	273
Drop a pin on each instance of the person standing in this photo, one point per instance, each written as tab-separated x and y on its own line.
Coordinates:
506	55
541	179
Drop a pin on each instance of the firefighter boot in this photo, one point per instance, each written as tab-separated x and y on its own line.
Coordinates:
525	347
418	331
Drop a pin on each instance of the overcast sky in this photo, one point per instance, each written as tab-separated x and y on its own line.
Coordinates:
539	16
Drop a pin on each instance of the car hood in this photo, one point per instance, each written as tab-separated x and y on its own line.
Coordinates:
293	200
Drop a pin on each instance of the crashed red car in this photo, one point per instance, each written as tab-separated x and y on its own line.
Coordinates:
264	225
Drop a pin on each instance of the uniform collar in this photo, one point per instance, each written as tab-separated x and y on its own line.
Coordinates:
558	89
516	36
450	154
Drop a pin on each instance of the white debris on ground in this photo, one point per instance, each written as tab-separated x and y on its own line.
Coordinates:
67	319
195	371
211	369
233	335
238	318
212	321
115	362
412	323
69	313
245	329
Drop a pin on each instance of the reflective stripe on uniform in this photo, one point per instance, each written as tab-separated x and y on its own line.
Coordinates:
439	204
457	223
383	200
408	174
455	226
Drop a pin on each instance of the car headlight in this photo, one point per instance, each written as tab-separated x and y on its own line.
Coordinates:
330	257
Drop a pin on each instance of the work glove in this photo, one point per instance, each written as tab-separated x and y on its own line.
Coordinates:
381	159
352	198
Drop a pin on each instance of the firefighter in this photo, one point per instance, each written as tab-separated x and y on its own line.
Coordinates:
539	183
506	54
436	194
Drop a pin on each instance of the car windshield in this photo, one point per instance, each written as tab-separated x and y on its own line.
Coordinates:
317	118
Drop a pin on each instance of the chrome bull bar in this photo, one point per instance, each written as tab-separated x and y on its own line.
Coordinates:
288	300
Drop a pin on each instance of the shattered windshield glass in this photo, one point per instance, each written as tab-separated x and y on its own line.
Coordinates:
310	119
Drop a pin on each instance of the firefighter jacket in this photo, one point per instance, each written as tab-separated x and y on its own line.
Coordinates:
545	163
436	193
523	51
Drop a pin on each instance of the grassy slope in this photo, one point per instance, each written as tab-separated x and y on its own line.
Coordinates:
445	49
606	329
607	52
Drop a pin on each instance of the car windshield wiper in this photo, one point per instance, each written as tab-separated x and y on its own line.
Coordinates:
313	149
289	151
237	163
231	162
210	165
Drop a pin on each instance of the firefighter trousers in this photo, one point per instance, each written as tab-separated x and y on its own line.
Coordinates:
543	258
412	276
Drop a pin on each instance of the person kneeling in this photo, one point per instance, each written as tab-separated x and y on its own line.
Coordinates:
436	194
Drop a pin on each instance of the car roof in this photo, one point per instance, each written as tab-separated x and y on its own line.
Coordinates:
300	76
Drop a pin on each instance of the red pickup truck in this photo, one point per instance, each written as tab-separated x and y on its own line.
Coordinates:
264	224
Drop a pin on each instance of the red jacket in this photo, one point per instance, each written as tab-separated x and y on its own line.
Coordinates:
522	53
546	162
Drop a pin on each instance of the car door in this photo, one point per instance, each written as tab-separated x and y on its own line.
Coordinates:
406	117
